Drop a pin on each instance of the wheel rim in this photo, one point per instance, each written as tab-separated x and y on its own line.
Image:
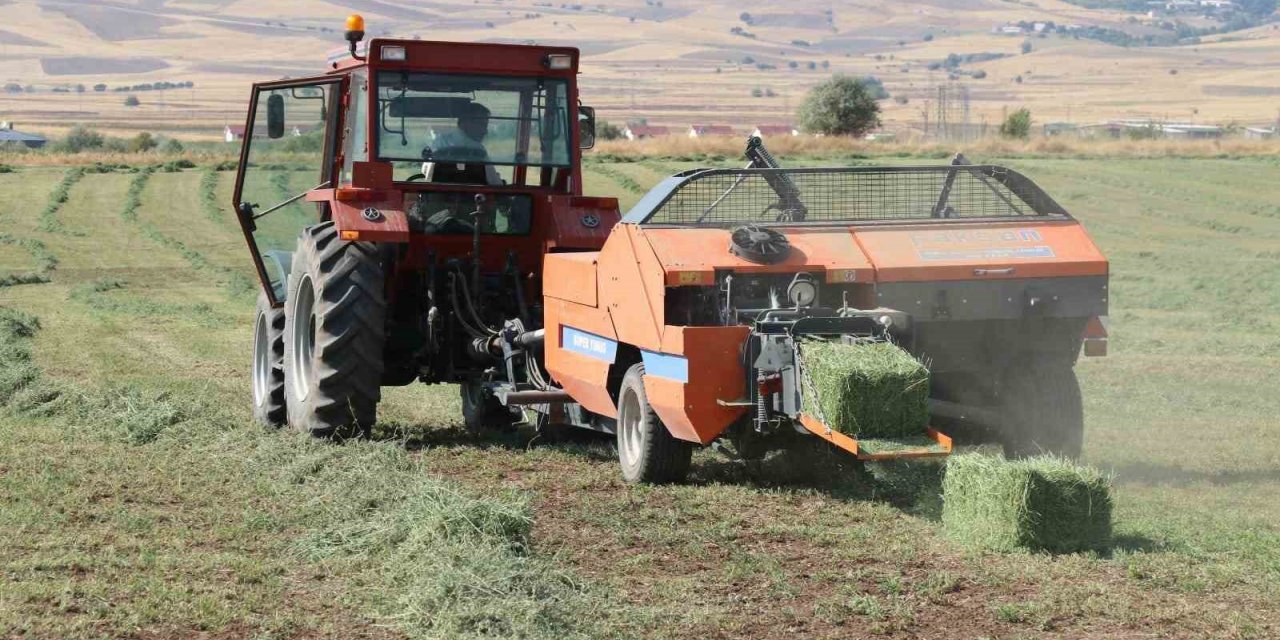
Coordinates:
630	438
304	338
261	361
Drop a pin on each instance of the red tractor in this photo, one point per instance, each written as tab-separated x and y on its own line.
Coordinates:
416	215
398	208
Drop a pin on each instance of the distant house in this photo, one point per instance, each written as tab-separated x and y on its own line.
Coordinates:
1011	30
705	130
1060	128
641	131
235	132
775	130
1192	130
880	136
1260	133
29	140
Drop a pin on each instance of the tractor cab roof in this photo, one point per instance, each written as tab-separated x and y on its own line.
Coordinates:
485	58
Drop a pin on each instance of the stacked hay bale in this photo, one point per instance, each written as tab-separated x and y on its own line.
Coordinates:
1039	504
866	389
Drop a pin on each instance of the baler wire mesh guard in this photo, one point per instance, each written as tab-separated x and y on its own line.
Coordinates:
717	197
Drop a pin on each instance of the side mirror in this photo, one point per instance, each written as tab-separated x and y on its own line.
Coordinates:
275	116
586	127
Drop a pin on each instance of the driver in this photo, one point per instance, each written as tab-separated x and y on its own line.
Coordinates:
466	142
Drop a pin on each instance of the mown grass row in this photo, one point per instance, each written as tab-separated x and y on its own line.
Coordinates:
236	283
621	179
49	221
209	196
45	261
432	560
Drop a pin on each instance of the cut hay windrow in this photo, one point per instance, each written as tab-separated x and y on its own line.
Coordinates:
865	390
1044	503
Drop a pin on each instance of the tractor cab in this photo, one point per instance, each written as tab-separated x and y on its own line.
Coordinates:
440	138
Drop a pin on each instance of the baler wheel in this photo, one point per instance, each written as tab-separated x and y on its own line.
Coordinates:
268	365
334	334
646	449
481	411
1041	411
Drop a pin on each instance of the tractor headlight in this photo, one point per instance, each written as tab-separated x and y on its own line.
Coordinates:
558	61
392	53
802	291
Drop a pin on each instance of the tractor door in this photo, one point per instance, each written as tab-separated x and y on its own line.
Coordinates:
288	150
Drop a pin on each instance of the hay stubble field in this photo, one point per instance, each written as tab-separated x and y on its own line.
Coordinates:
138	500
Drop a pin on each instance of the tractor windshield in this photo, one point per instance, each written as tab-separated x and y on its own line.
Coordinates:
463	125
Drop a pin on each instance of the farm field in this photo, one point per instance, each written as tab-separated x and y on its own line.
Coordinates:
138	500
673	63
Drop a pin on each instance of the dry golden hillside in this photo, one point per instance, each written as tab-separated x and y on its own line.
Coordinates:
673	62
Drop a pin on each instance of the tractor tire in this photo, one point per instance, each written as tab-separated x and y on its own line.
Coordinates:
482	412
647	451
333	335
1041	411
268	365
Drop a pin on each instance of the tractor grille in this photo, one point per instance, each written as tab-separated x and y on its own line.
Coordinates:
718	197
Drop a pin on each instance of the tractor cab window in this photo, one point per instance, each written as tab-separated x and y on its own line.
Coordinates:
457	213
470	129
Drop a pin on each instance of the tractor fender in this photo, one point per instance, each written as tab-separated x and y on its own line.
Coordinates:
383	220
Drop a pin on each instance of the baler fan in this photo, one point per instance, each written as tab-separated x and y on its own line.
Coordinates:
759	244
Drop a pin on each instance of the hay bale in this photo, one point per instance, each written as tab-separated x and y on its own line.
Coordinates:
866	390
1044	503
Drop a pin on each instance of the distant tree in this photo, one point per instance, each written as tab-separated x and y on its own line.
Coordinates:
608	131
979	74
1018	79
842	105
80	88
1017	125
13	87
793	64
131	101
813	65
757	92
746	17
928	37
79	138
99	88
142	143
171	147
1026	46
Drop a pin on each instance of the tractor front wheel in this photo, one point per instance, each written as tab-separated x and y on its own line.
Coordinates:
268	364
1041	411
646	449
333	334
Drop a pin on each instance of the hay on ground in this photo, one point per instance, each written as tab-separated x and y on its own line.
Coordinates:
1044	503
866	390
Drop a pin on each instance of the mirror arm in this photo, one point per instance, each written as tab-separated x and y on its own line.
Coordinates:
290	200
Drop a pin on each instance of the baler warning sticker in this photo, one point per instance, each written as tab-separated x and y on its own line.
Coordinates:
981	244
588	344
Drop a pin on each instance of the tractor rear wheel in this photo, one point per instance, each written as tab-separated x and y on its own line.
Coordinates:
1041	411
646	449
333	336
268	364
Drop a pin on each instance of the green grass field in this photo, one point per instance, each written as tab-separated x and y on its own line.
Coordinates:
137	499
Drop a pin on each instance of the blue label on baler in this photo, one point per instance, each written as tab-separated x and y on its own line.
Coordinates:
588	344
